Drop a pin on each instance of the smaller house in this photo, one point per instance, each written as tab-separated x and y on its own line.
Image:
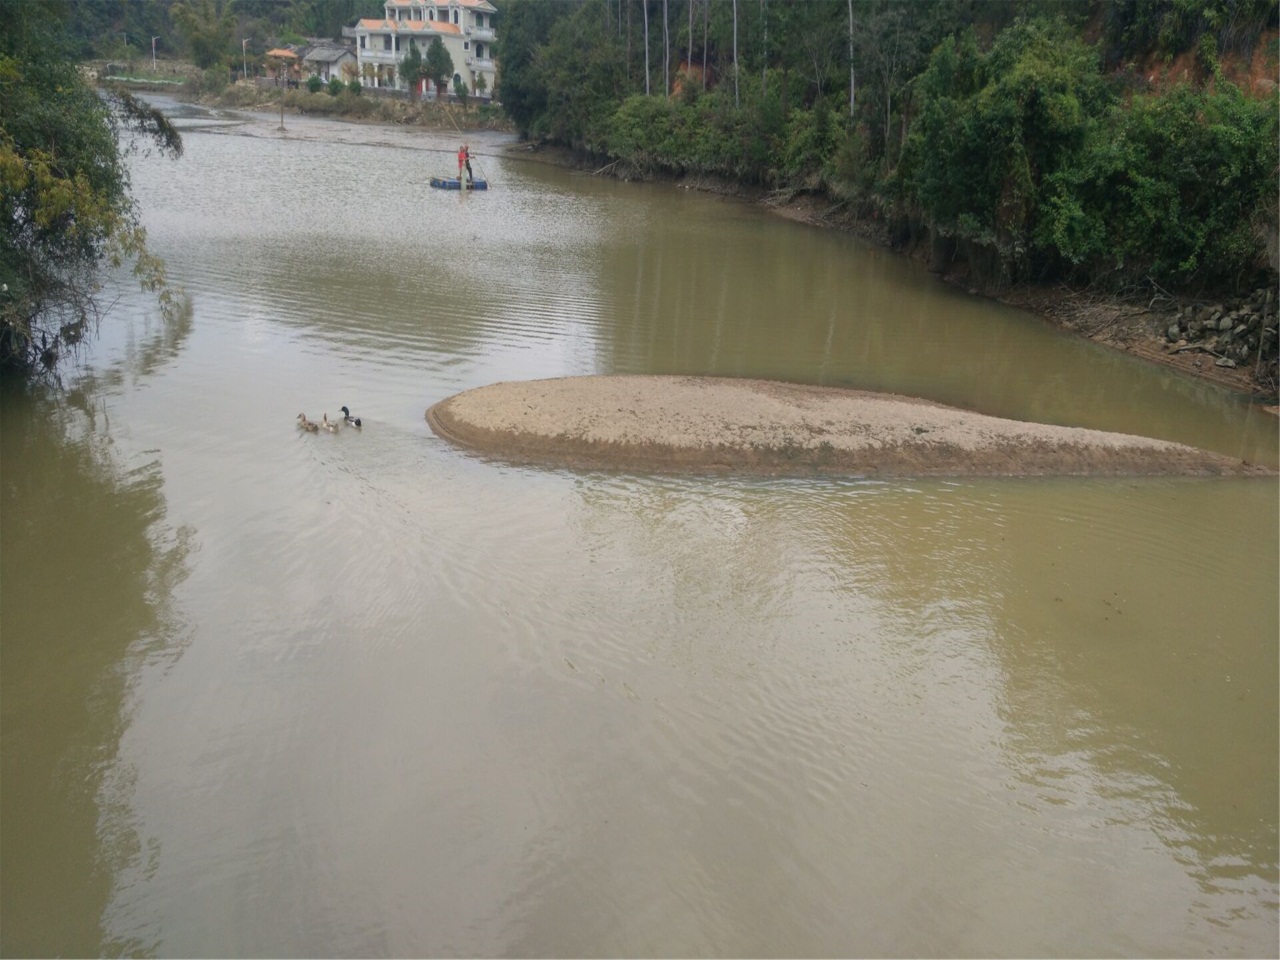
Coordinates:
327	60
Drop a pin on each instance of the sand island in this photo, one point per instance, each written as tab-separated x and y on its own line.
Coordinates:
716	424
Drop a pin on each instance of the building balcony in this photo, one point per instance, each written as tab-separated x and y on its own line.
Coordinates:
378	56
486	34
479	63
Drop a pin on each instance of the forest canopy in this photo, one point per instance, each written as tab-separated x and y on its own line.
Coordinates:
1118	142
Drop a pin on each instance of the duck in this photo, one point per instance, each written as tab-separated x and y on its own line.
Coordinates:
348	418
307	425
330	425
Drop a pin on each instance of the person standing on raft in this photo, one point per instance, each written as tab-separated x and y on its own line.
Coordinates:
464	159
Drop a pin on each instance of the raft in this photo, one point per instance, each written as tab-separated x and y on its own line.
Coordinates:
453	183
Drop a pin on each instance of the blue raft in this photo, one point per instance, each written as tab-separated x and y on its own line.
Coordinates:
453	183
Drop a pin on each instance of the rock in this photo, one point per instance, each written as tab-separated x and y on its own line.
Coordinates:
1226	322
1240	331
1173	333
1224	362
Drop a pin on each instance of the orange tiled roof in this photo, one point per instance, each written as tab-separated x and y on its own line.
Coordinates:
280	52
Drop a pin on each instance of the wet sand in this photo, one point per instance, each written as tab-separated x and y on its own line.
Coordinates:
711	424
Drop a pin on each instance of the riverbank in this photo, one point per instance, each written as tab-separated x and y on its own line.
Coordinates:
1141	328
1171	331
360	108
728	425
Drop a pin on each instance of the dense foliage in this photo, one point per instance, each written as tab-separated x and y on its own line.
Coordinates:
65	206
207	32
996	128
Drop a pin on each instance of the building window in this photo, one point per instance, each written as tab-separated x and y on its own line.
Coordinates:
466	45
386	42
362	40
455	15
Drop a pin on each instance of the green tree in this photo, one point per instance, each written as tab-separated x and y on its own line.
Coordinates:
413	68
992	129
526	25
65	206
208	27
438	65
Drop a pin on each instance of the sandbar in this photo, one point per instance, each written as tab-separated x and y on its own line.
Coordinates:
726	425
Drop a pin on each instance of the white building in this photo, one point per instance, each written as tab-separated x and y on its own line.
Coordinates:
465	27
326	60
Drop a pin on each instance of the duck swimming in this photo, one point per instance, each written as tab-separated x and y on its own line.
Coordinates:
348	418
306	424
330	425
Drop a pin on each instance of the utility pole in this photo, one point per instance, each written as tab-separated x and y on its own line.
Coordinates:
244	56
153	53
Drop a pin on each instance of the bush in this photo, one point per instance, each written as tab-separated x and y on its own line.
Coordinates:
314	83
336	86
211	81
354	88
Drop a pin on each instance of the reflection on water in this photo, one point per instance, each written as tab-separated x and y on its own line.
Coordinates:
86	575
428	704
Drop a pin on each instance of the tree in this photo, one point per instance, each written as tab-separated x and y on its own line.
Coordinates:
737	101
413	68
438	65
65	207
526	24
208	27
852	88
645	6
666	50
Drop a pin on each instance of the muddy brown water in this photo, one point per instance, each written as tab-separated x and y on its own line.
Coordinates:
269	693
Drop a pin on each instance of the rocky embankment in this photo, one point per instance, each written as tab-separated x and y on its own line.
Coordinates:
1237	333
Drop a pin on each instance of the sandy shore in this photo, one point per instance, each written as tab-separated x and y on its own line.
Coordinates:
666	424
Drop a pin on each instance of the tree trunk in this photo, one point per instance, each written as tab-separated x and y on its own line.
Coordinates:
706	14
764	66
688	62
736	101
666	51
645	6
851	86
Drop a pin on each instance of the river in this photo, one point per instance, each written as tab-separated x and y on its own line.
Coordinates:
271	693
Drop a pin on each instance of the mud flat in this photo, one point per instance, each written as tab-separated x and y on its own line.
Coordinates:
712	424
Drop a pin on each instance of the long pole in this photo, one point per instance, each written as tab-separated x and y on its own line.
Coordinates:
449	114
153	53
244	56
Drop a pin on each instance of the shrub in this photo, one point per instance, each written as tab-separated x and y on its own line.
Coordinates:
354	88
336	86
314	83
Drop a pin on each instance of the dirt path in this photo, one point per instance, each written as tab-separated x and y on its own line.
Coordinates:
698	424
